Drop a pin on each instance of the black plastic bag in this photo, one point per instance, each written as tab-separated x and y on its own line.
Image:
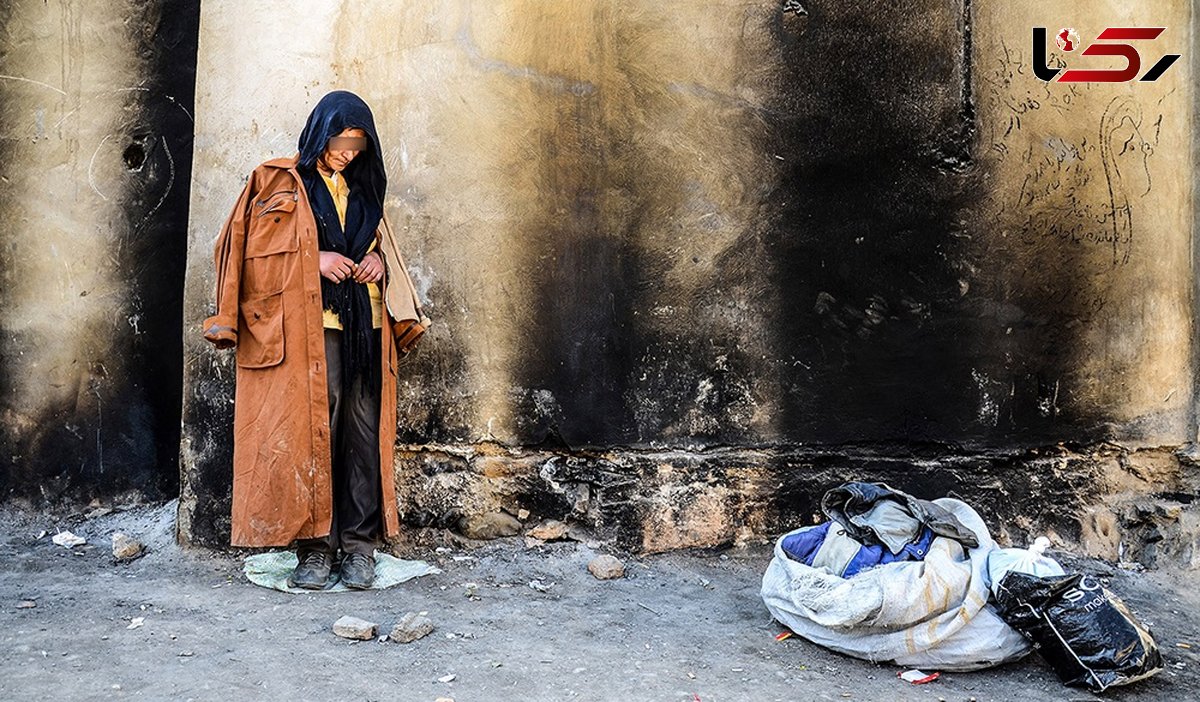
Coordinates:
1086	633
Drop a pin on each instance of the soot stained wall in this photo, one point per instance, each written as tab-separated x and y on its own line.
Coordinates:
96	137
652	231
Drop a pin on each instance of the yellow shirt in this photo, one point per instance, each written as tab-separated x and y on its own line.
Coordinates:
341	196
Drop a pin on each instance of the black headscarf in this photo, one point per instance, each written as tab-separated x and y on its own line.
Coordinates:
367	180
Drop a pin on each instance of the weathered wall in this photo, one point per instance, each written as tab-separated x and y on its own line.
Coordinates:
95	141
692	262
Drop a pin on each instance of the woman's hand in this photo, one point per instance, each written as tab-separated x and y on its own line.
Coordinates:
336	267
370	270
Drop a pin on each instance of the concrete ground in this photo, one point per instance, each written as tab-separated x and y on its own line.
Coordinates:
680	627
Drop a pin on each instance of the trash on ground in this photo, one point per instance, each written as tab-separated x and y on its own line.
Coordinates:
784	635
26	604
917	677
136	622
540	586
1083	631
1031	561
447	678
68	540
919	592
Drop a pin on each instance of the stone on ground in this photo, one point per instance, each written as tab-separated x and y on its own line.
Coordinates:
550	530
125	548
411	627
606	567
355	628
493	525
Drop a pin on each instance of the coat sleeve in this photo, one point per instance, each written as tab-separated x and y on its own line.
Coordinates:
400	295
222	328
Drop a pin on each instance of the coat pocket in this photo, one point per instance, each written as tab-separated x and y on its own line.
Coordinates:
260	342
272	230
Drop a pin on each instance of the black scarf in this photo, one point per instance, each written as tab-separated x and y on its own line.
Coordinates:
367	180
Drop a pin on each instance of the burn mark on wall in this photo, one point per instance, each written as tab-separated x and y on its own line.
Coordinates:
865	238
113	426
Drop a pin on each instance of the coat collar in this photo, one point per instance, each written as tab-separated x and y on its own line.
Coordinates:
287	163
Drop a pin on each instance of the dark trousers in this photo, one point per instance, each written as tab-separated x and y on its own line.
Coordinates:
354	438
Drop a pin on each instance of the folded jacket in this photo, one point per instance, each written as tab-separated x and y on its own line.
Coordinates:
828	546
848	504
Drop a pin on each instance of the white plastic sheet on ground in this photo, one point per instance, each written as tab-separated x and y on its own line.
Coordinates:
271	570
930	614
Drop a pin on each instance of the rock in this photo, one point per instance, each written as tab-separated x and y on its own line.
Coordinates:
531	542
522	514
606	567
550	530
412	626
493	525
355	628
125	548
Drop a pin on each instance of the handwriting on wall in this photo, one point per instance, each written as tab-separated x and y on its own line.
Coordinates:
1085	171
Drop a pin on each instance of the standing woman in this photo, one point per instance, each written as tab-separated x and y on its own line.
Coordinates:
310	285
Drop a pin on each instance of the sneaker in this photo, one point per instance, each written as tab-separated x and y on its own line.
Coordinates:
358	571
313	570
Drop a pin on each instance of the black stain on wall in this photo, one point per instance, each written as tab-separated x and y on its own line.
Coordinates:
121	432
209	480
870	247
862	245
578	343
860	266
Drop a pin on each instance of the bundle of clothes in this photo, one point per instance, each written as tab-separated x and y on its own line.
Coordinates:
920	583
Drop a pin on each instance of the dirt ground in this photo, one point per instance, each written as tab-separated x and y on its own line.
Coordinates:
680	627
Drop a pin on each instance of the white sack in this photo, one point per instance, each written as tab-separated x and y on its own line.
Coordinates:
930	613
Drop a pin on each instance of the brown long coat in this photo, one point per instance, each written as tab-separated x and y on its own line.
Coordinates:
269	306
